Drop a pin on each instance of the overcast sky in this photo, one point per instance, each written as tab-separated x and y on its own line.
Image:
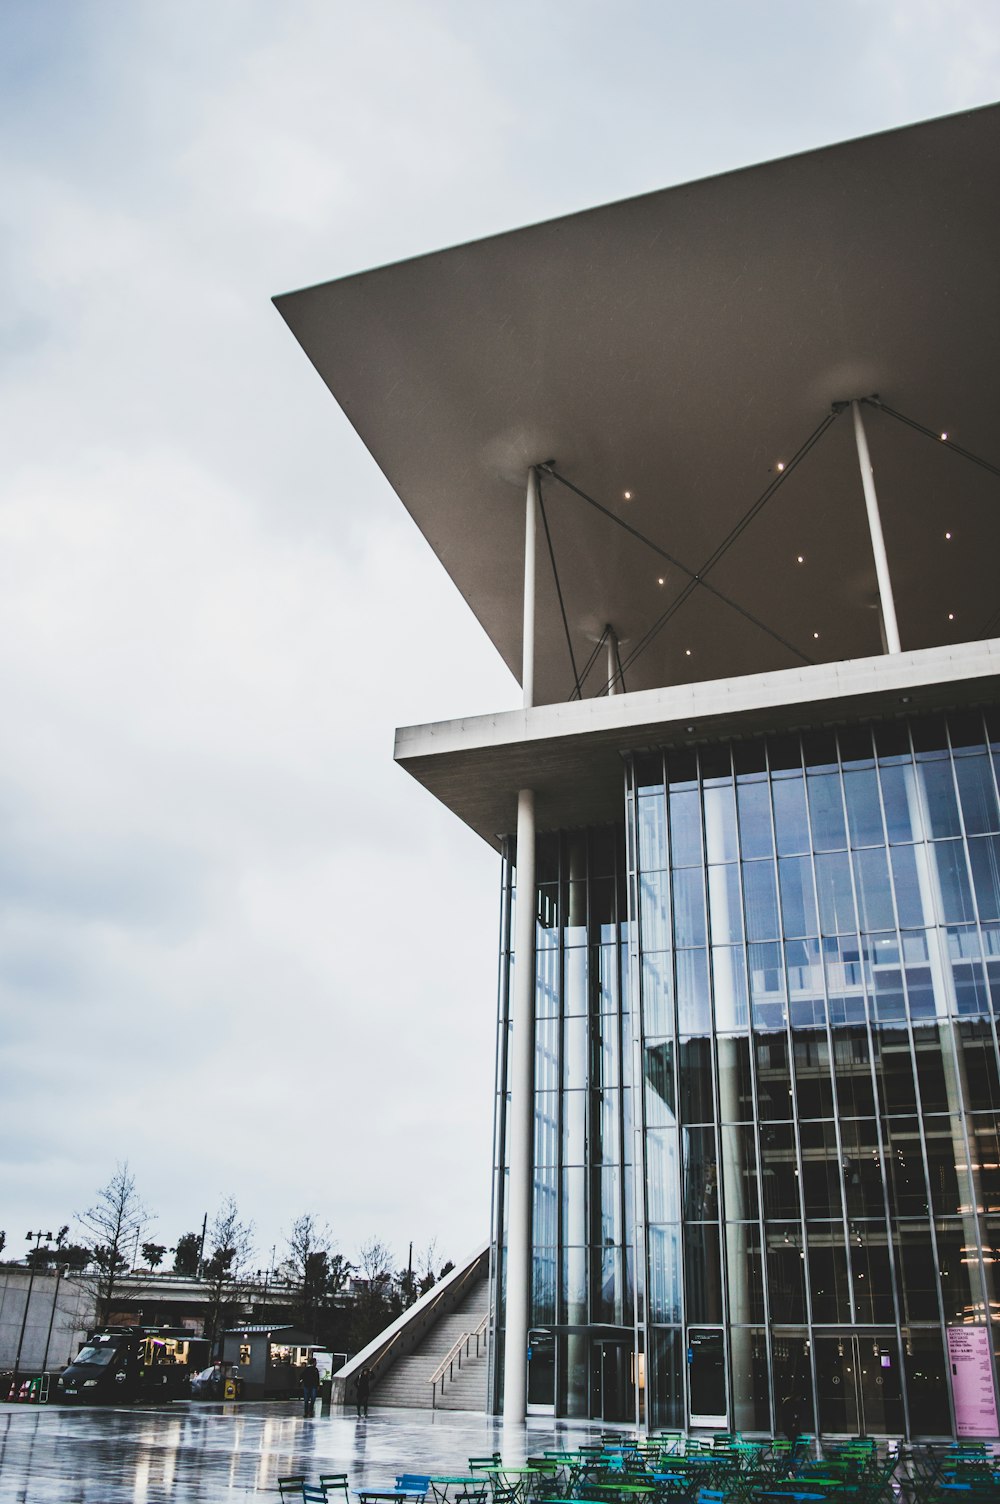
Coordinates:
238	946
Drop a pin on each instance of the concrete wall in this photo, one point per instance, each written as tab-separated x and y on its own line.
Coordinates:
65	1304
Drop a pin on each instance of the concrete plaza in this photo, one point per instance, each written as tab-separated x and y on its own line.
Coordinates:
218	1452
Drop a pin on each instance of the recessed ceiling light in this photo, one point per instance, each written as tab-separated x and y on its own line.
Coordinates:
944	438
801	559
951	616
816	635
687	652
948	536
780	466
628	495
660	580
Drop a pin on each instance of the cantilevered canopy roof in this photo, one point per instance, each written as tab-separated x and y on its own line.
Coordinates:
679	347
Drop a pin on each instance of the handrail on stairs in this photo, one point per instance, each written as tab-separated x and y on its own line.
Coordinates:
446	1368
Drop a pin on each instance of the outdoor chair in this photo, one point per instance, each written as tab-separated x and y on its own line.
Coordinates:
414	1484
334	1484
290	1487
312	1493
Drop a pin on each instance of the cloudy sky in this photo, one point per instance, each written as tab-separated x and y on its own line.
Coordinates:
238	947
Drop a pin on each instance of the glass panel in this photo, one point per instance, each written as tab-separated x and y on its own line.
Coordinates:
702	1272
813	1086
755	820
543	1284
761	901
786	1282
790	824
662	1177
861	1164
820	1171
659	1074
907	1187
902	809
978	794
745	1272
664	1378
774	1085
926	1383
940	804
947	1166
916	1273
694	1011
701	1175
894	1071
750	1371
689	907
907	882
826	809
874	895
685	828
739	1173
958	1263
575	1061
872	1277
652	833
725	904
720	823
664	1274
696	1080
767	986
654	911
932	1044
657	995
852	1072
864	816
979	1064
780	1175
836	894
984	856
735	1090
545	1207
828	1280
953	882
798	902
730	984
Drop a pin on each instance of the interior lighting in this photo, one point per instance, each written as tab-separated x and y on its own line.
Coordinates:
951	616
944	438
815	636
660	580
948	536
800	558
628	495
687	652
780	466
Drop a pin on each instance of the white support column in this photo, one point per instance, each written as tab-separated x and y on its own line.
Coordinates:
614	684
520	1081
875	528
528	633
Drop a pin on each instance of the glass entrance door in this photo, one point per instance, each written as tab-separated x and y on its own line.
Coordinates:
859	1386
610	1368
707	1390
541	1372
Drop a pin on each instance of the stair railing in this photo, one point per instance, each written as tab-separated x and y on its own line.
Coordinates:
445	1370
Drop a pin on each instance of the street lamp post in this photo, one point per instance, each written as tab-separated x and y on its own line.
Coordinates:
39	1237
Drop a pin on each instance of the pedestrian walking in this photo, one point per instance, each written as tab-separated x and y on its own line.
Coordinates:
310	1387
362	1389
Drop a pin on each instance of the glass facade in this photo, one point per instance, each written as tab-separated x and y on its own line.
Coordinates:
767	1169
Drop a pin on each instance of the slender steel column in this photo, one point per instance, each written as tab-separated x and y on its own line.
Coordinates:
875	528
520	1076
528	633
614	684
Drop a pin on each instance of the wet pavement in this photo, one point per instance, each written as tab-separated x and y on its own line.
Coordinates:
216	1452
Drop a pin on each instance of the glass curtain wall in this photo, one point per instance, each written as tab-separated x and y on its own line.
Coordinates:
817	950
582	1354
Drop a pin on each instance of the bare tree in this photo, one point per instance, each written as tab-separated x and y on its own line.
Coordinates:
226	1269
316	1271
113	1227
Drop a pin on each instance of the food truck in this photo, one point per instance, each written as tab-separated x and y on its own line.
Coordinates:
125	1363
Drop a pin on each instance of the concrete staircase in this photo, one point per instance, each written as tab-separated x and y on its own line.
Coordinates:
408	1381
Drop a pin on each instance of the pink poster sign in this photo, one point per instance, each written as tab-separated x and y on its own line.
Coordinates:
972	1381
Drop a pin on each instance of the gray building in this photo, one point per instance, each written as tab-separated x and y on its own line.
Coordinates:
717	470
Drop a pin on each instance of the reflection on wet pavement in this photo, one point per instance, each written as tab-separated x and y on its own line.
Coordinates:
204	1452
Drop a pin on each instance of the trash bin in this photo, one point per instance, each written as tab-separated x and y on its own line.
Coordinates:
229	1390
